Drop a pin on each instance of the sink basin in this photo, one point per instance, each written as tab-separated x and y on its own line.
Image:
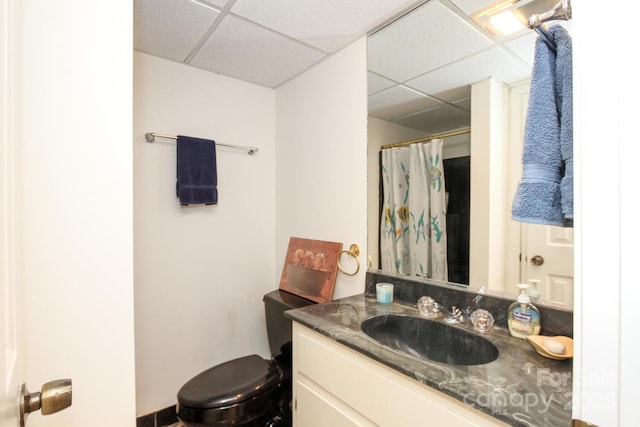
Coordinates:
428	339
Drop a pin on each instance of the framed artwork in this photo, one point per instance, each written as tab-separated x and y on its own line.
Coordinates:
310	268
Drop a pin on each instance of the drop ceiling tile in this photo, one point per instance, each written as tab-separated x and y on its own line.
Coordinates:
329	25
524	46
494	63
377	83
436	120
252	53
410	47
399	101
219	3
170	29
464	103
456	94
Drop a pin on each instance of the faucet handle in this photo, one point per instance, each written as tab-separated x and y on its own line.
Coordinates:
428	307
482	320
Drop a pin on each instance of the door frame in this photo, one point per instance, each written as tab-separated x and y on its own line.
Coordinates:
11	366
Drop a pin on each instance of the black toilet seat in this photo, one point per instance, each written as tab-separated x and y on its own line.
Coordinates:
239	389
229	383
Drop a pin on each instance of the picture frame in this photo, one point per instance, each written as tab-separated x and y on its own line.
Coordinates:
310	268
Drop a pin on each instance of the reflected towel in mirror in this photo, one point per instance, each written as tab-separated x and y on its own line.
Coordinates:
548	138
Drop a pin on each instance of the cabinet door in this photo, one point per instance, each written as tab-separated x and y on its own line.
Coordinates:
316	408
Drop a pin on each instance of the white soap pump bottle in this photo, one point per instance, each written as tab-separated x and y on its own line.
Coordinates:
523	318
534	291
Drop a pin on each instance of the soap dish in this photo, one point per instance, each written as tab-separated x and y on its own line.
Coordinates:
537	341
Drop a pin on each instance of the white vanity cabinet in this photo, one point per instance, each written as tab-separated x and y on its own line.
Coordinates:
336	386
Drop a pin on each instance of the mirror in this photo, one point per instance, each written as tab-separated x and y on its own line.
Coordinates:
422	71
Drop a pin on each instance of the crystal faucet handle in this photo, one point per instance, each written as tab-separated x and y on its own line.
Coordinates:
482	320
427	306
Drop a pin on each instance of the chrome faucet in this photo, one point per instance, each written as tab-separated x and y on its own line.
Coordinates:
454	316
428	307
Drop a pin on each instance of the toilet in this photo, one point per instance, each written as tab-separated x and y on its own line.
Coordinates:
249	390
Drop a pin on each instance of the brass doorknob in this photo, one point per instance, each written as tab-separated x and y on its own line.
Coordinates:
537	260
54	396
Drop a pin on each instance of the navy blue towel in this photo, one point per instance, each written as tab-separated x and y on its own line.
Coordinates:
197	177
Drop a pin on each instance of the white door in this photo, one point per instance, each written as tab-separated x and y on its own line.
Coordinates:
547	255
11	361
66	302
11	369
17	400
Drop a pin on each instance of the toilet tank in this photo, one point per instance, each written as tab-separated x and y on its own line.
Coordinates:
278	326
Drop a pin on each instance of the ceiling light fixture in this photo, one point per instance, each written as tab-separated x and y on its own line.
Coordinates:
502	19
506	23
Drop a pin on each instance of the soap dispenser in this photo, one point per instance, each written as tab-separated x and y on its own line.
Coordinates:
523	318
534	291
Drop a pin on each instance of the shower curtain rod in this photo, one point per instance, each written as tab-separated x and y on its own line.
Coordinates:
561	11
427	138
151	137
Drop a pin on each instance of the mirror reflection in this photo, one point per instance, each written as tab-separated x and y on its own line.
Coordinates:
441	70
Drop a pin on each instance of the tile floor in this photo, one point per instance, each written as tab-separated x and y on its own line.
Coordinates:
163	418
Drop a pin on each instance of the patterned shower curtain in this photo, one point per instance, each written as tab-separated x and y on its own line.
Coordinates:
413	238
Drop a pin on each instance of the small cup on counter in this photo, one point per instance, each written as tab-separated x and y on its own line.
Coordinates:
384	293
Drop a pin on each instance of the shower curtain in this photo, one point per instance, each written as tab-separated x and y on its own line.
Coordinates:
413	224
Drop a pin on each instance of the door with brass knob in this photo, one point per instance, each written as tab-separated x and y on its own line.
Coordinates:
54	397
537	260
66	282
548	257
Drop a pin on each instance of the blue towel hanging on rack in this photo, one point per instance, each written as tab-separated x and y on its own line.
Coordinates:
547	178
564	94
197	177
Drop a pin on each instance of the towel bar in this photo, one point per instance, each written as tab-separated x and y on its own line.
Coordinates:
561	11
151	137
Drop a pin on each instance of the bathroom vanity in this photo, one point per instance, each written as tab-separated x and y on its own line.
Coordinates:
343	377
336	386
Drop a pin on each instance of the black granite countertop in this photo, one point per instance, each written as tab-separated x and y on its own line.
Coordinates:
520	387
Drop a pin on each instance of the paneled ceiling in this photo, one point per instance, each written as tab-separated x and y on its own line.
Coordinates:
420	66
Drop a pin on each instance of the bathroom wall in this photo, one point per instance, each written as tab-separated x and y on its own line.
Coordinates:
200	272
321	163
